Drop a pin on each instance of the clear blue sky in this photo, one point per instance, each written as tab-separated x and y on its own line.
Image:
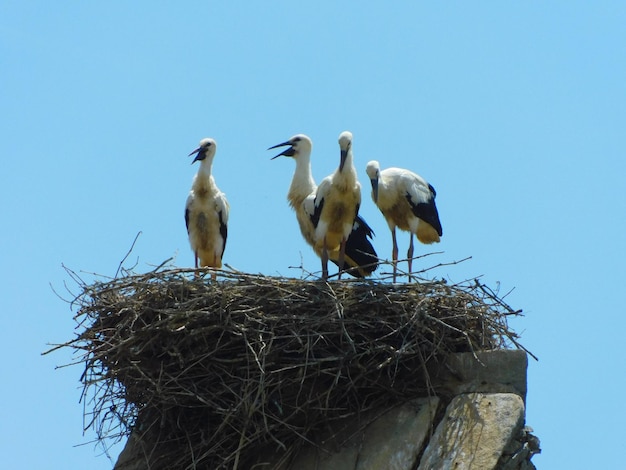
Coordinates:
514	111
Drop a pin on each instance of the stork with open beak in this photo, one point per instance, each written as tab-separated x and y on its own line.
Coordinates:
406	201
360	258
206	211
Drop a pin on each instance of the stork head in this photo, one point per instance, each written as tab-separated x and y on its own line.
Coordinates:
345	144
298	144
373	171
205	150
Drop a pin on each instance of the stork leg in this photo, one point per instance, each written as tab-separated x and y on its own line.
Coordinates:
342	256
215	262
324	261
394	253
195	262
409	254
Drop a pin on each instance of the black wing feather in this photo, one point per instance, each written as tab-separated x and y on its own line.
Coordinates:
359	250
223	231
317	212
427	211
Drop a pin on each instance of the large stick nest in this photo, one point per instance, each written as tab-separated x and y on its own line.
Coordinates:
210	371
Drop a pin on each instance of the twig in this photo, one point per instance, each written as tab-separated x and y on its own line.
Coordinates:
127	254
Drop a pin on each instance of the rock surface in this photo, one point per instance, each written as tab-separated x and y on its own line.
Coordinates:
501	370
474	432
391	441
395	439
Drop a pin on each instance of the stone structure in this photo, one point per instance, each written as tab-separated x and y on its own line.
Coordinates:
474	420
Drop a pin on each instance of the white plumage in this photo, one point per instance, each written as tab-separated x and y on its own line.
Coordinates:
406	201
302	184
360	258
336	205
206	211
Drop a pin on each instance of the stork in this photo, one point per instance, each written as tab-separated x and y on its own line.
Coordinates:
406	201
360	256
206	211
336	205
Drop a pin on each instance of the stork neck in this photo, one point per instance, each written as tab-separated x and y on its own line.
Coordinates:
303	177
205	166
302	183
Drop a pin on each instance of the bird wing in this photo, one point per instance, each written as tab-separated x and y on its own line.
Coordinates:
313	213
222	206
187	204
318	202
223	211
361	225
360	253
421	197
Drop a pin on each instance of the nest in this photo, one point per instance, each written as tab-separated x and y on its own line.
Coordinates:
209	372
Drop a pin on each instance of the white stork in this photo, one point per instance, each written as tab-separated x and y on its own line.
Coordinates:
406	201
360	257
336	205
206	211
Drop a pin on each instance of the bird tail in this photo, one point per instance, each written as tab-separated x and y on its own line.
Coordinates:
209	259
361	259
427	234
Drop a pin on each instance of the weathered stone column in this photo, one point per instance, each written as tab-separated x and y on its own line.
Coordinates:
474	432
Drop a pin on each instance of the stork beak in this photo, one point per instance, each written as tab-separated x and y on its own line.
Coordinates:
344	154
199	155
375	189
290	152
